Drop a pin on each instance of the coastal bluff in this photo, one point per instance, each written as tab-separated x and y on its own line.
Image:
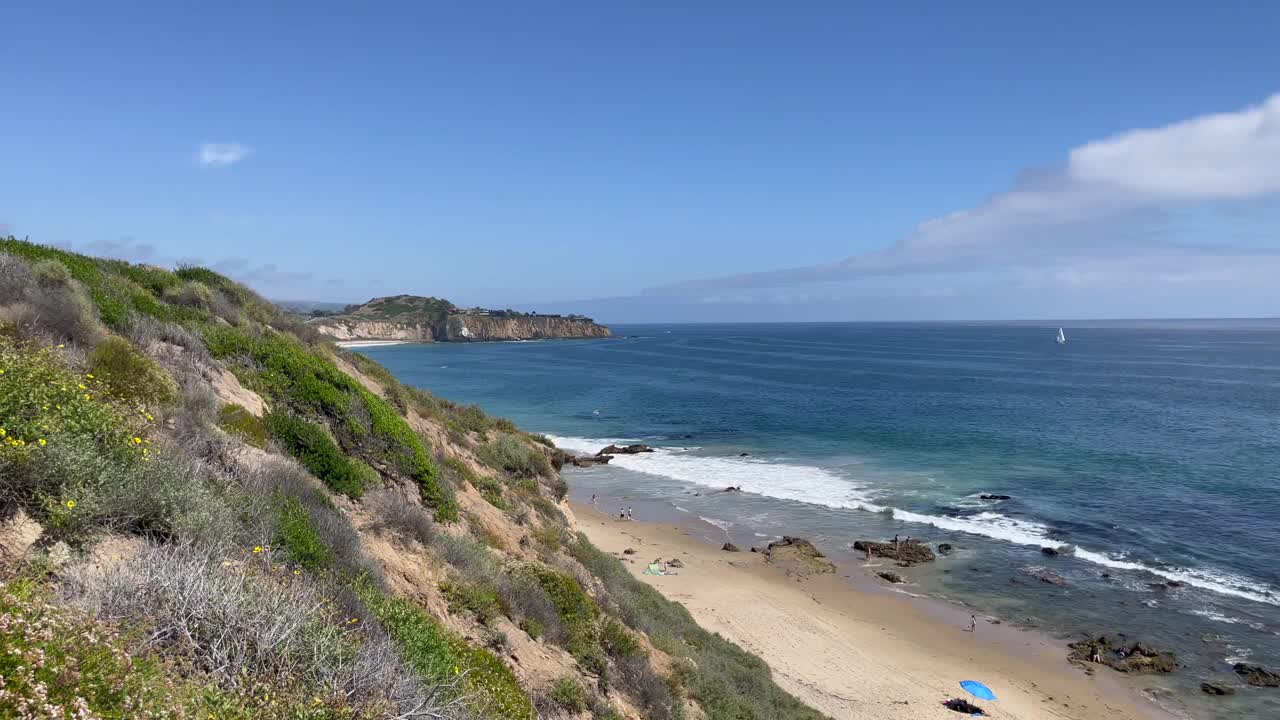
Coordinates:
424	319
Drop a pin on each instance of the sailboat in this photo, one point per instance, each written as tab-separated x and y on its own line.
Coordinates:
1062	337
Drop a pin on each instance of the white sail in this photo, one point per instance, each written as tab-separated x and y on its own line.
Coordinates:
1062	337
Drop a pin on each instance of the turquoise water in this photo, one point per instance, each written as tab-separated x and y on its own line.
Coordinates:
1152	450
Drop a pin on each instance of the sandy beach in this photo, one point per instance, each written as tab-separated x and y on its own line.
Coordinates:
858	654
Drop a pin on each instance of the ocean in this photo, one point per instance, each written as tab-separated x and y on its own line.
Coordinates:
1148	451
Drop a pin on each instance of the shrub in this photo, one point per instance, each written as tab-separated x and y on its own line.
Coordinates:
317	452
481	600
191	293
241	423
441	656
618	641
234	619
130	375
391	512
298	536
568	694
549	536
510	454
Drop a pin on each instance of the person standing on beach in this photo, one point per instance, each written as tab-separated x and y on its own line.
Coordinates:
593	499
973	623
630	515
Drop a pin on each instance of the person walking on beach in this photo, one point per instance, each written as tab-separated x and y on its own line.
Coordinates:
622	513
973	623
895	541
630	515
593	499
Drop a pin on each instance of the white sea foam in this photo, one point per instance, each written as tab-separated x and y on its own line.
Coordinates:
1217	616
820	486
722	524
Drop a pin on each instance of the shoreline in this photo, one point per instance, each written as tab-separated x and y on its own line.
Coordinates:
856	652
369	343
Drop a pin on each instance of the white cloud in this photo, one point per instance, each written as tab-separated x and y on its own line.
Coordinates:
221	154
1225	155
1114	203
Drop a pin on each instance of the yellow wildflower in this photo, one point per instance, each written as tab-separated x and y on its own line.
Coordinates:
257	549
61	346
89	375
43	442
2	433
297	572
80	385
88	397
137	440
71	504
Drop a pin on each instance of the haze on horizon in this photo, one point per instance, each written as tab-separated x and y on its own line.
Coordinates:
726	162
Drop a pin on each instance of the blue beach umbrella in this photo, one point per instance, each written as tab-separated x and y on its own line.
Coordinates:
978	690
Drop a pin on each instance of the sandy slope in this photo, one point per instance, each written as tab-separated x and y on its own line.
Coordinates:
858	655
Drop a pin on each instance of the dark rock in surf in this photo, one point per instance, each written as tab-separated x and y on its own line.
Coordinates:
892	577
944	548
1211	689
995	497
798	557
625	450
744	454
733	489
1050	551
1044	576
729	547
908	552
1257	676
1123	657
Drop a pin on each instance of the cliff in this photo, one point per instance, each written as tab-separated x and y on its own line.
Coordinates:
235	518
419	319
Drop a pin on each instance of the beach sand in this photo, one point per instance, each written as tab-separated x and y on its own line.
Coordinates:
857	654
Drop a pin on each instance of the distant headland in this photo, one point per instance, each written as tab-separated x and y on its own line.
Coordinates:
412	318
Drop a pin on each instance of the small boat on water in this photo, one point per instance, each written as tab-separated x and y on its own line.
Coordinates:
1062	337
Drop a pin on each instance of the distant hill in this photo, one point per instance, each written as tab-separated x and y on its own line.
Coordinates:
429	319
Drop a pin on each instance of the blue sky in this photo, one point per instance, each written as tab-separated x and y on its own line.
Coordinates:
665	162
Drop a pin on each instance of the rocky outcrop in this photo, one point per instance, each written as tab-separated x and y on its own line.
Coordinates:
798	557
1044	576
1257	676
729	547
418	319
1122	656
1212	689
340	329
479	328
944	548
907	552
892	577
991	496
560	458
624	450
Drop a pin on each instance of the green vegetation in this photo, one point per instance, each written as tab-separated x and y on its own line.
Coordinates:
297	534
440	655
727	682
130	375
569	695
283	369
318	453
479	599
241	423
510	454
58	658
401	308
